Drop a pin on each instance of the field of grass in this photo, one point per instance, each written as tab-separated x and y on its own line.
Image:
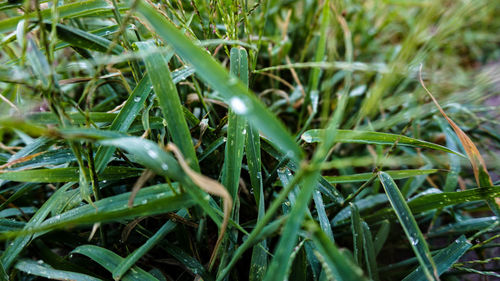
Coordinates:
249	140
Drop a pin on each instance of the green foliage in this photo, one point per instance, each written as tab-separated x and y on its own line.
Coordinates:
309	113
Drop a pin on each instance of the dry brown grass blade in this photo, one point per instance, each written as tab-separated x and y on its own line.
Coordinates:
20	160
471	150
211	186
145	176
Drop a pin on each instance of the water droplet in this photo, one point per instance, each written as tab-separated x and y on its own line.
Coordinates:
39	261
152	154
164	166
238	105
244	131
137	99
144	201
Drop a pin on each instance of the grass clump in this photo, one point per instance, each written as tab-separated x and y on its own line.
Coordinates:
249	140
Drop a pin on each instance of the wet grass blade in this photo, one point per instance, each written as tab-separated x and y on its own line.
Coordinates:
67	174
357	234
235	128
367	137
396	174
34	268
444	259
410	226
85	40
439	200
369	251
232	91
110	261
148	201
169	101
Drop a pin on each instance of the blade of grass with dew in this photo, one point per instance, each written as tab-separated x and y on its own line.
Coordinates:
232	91
169	101
252	148
235	143
67	174
148	201
110	261
363	204
410	226
342	267
85	40
469	225
367	137
235	127
14	249
35	268
395	174
437	201
131	259
369	251
357	234
444	259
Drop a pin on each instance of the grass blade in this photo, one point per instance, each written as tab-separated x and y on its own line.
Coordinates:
444	259
369	250
367	137
34	268
440	200
235	128
110	261
169	101
396	174
67	174
410	226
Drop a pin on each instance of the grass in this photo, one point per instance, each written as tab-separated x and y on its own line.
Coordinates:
249	140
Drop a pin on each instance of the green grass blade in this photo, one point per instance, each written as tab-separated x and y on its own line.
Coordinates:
396	174
232	91
110	261
169	101
235	127
439	200
367	137
357	234
444	259
148	201
410	226
369	250
34	268
131	259
341	266
67	174
85	40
